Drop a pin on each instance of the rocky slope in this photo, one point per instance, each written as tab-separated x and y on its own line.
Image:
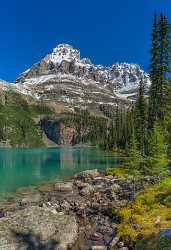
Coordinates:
65	77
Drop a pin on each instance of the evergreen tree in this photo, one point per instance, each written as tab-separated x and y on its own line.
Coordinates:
134	161
141	118
164	66
159	69
130	126
154	72
135	158
157	159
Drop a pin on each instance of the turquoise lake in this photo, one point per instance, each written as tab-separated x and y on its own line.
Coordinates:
28	167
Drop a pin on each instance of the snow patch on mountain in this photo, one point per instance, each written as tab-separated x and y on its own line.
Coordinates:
63	52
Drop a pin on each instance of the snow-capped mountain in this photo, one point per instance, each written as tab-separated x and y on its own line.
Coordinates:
65	77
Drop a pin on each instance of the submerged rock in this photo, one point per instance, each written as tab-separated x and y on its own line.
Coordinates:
32	198
64	187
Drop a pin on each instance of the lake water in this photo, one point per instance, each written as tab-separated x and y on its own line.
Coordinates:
26	167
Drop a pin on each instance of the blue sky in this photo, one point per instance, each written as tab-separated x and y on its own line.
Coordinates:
107	31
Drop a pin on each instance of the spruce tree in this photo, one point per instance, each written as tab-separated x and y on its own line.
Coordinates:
134	161
141	118
154	72
157	161
164	66
159	70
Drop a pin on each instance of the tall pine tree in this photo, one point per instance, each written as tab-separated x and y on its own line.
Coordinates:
159	69
164	66
141	118
154	72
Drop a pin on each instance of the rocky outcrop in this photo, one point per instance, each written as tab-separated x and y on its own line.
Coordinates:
59	132
72	129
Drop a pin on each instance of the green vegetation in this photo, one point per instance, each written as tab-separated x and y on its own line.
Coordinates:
157	161
17	121
141	119
159	70
144	218
116	171
40	109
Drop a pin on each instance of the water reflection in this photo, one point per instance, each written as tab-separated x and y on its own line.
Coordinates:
24	167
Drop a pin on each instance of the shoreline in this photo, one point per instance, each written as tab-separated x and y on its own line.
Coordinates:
90	198
55	166
54	146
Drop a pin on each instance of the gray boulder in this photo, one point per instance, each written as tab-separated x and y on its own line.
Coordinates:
64	187
37	228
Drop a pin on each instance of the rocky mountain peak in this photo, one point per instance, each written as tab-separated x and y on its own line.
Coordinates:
66	77
63	52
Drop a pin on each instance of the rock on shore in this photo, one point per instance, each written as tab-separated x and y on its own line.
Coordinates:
37	228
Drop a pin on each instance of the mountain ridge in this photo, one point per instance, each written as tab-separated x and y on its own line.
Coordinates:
66	77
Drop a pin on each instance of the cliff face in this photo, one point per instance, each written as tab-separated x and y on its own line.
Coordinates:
67	134
59	132
74	128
